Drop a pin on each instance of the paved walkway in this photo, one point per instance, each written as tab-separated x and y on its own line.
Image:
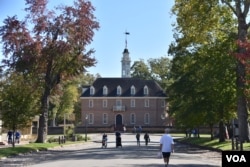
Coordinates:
91	154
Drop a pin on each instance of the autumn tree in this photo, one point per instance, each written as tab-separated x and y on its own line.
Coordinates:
50	46
240	10
64	100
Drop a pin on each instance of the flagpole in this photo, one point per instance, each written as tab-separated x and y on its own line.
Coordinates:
126	33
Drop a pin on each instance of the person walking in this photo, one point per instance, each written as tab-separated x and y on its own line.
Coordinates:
146	138
138	139
10	137
166	146
17	137
104	140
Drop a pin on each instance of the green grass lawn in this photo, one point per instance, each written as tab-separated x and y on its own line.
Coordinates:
8	151
205	140
31	147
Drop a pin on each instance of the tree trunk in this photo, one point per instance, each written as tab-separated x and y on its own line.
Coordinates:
43	119
221	131
242	109
54	121
211	131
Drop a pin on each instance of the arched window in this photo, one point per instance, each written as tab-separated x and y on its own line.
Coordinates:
105	90
92	90
145	90
132	90
119	90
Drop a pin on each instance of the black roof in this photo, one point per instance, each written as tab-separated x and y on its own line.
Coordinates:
154	89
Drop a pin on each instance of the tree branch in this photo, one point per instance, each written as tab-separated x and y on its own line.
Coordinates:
230	6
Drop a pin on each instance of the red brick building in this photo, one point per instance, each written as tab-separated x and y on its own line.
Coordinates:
112	103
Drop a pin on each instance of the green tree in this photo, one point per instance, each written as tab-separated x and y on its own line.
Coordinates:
53	50
203	69
157	69
160	71
140	70
199	21
18	103
65	99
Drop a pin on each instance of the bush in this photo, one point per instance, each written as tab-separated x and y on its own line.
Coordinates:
79	137
69	131
52	140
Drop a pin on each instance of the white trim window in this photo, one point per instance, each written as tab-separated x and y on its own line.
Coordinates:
146	103
132	103
104	103
91	118
132	90
105	90
163	103
118	102
92	91
105	118
145	90
146	118
132	118
91	103
119	90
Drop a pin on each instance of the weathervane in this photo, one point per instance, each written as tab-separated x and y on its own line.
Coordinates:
126	33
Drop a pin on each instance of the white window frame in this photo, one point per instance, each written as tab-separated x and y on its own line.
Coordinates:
119	90
132	120
145	90
146	103
118	102
105	90
146	118
91	118
105	118
91	103
132	90
163	103
92	91
104	103
132	103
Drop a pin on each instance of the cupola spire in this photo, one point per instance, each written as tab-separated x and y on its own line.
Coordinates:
126	59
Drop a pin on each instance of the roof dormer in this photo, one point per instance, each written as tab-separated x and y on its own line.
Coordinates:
92	90
132	90
105	90
119	90
145	90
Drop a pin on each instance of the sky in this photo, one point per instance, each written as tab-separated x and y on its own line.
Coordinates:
149	23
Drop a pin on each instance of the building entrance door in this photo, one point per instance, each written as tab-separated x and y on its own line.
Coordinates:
118	121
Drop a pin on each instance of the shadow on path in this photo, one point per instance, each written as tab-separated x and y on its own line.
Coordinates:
129	151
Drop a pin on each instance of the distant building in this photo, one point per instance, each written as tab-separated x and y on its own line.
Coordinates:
112	103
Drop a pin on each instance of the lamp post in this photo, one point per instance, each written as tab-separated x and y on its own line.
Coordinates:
86	119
